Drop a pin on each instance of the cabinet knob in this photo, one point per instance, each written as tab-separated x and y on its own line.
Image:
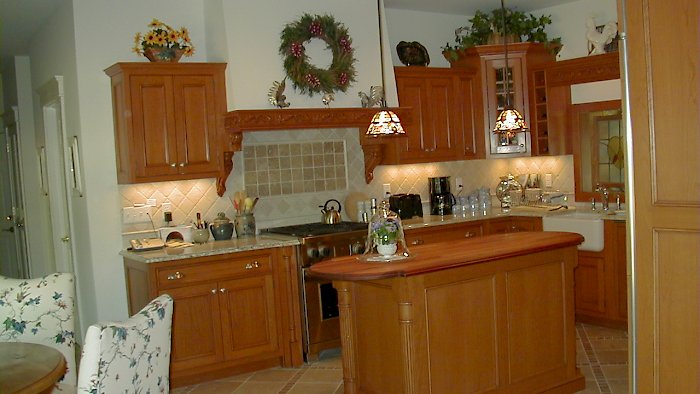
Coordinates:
222	290
469	234
417	242
175	276
173	165
182	164
213	291
252	265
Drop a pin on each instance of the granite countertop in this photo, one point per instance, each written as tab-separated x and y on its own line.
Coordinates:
494	213
211	248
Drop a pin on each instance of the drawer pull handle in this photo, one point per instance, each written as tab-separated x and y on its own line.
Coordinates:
252	265
469	234
213	291
417	242
175	276
221	290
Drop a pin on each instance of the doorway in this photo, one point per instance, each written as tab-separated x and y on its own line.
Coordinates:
54	167
13	242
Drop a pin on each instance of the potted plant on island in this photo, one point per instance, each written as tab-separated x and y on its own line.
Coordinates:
487	29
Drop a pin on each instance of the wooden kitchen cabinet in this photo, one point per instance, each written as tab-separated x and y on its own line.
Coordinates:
513	224
601	280
443	233
168	120
444	121
489	63
232	313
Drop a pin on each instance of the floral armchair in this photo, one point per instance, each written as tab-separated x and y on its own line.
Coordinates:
131	356
41	311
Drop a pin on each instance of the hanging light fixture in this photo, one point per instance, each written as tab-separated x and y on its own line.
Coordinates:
385	123
509	121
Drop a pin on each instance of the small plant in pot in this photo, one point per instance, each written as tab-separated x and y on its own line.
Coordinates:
487	29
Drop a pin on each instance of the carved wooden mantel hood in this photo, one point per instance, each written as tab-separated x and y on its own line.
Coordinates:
240	121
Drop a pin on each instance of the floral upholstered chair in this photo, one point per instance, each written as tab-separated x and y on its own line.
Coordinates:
41	311
131	356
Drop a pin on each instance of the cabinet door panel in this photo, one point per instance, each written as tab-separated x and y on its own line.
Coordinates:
195	116
412	94
589	283
196	334
248	316
154	129
438	139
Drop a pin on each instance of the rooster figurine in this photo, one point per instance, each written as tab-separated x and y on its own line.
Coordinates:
376	95
327	99
599	39
276	94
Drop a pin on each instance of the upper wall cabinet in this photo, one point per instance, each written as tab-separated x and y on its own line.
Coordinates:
443	102
168	120
489	62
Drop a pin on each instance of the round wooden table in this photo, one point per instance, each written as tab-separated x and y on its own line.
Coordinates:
29	367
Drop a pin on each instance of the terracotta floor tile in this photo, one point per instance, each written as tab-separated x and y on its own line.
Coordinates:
587	373
615	372
603	332
215	387
322	375
182	390
274	375
260	387
618	386
340	390
313	388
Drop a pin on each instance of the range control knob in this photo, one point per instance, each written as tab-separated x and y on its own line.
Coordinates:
324	251
358	248
312	252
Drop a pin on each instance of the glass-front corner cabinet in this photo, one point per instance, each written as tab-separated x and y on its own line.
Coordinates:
490	62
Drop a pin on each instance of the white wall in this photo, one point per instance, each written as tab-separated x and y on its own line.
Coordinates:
433	30
253	34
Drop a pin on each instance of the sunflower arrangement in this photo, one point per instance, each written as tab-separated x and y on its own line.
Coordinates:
163	43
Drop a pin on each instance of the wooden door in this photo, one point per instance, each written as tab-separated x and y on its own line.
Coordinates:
663	60
249	316
589	284
619	262
196	333
154	137
196	124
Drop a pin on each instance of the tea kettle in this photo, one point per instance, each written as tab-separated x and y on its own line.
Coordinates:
330	215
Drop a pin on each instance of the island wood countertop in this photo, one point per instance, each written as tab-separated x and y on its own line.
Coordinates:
445	255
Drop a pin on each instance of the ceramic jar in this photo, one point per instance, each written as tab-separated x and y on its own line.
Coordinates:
221	228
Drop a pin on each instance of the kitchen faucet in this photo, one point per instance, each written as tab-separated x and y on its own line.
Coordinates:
604	195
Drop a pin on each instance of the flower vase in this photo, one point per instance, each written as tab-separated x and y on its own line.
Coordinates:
386	249
163	55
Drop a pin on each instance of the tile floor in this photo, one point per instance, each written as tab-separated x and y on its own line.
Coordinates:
601	355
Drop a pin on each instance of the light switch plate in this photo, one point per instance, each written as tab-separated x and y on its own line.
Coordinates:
386	187
131	215
547	180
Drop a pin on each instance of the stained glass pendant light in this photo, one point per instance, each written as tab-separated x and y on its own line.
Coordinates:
385	123
509	121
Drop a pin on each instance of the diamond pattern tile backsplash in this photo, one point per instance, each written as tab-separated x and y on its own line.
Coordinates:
293	172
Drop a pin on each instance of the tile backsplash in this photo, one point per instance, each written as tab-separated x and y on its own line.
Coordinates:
293	172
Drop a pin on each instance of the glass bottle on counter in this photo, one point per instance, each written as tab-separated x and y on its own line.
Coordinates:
385	237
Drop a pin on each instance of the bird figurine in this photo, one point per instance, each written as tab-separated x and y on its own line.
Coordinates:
375	97
599	39
276	94
412	53
327	98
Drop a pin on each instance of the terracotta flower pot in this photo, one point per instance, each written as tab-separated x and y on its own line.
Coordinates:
163	55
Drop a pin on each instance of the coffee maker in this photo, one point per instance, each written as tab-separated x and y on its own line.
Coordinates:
441	200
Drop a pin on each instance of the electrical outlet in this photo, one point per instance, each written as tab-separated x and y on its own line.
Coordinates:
151	201
166	207
459	184
131	215
387	189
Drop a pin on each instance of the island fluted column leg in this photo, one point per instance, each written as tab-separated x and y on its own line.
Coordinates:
406	324
346	335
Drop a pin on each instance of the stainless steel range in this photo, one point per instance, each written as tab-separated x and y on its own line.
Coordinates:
318	297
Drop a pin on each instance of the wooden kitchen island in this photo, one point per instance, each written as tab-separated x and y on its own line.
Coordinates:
494	313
